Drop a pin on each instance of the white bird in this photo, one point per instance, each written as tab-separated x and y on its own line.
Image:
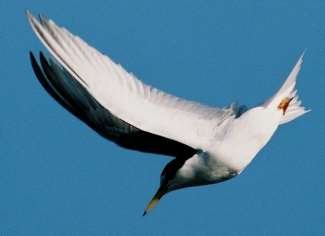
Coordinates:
209	144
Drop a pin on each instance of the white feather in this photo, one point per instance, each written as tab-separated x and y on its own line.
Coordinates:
127	97
288	89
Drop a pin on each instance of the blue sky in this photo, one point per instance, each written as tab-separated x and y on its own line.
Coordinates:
57	177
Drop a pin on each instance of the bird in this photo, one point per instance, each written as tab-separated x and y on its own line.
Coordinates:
208	145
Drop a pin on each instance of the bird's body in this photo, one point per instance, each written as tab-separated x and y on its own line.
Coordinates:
216	162
209	144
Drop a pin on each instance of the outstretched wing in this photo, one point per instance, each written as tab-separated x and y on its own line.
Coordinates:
76	99
126	97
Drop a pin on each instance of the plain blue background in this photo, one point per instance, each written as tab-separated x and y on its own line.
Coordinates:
57	177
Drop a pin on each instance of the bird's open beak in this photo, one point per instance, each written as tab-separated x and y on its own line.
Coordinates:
161	192
284	104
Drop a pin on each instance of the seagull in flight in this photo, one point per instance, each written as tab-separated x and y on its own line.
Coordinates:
208	144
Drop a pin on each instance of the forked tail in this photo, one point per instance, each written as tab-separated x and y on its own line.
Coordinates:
287	99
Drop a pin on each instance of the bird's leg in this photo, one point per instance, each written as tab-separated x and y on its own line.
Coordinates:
284	104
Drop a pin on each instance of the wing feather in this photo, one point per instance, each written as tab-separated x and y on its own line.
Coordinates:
76	99
120	92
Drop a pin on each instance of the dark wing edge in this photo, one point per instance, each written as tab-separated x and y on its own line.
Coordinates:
76	99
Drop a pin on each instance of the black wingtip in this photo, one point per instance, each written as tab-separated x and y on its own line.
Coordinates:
144	213
42	57
36	68
32	57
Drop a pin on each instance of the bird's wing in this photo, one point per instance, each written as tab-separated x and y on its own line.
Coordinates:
76	99
119	92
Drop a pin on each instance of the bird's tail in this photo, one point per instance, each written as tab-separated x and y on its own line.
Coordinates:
287	99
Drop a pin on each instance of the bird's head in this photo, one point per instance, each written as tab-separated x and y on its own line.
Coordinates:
168	182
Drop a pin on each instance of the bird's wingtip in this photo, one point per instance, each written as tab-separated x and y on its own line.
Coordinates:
27	12
30	17
301	58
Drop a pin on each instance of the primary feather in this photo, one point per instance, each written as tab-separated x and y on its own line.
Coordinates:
123	94
76	99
